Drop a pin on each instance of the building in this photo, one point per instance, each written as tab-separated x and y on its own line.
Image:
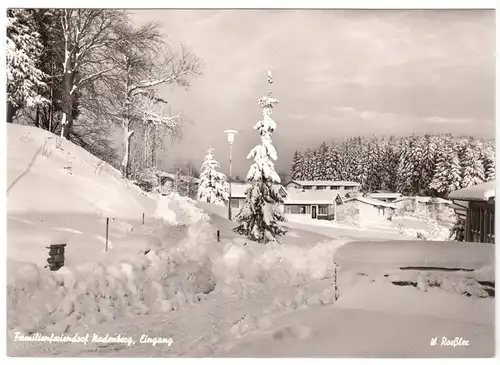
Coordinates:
341	186
238	193
307	203
421	203
384	196
316	204
475	207
363	209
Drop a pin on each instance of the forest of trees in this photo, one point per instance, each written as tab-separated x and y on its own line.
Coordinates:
431	165
88	74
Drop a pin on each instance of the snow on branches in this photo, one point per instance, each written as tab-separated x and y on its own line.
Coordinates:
24	48
213	187
260	215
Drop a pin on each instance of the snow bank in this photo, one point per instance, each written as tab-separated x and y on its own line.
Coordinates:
182	263
245	265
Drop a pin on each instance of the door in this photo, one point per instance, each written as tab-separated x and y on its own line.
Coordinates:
314	209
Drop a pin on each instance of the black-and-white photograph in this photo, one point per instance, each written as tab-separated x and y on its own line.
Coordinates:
250	183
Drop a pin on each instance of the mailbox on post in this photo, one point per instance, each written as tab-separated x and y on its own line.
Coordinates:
56	256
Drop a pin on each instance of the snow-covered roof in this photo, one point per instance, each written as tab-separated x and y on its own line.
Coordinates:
423	199
311	197
374	202
293	196
325	183
238	190
480	192
384	195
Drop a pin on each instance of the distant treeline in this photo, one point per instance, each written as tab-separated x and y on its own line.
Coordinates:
416	165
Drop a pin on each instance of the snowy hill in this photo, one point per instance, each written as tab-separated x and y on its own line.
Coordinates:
49	175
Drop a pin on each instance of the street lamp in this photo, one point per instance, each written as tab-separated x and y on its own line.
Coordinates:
230	139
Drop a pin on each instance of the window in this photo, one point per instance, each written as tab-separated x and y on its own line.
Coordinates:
235	203
307	187
323	209
348	188
481	223
321	188
334	188
302	209
292	209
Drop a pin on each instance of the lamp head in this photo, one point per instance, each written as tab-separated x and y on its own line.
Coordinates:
230	135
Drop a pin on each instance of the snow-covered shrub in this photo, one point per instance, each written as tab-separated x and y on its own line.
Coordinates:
457	232
147	179
348	213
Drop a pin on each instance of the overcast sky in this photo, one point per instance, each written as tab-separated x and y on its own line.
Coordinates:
337	73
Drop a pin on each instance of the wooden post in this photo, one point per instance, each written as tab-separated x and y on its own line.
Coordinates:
335	275
218	236
107	229
143	218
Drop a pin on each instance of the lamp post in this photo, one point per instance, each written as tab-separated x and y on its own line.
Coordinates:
230	139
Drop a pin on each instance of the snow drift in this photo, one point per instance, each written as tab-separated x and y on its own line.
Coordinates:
181	265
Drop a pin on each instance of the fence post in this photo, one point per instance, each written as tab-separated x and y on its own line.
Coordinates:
107	229
143	218
336	281
218	236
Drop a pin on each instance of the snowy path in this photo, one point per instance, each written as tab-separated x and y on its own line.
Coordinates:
348	233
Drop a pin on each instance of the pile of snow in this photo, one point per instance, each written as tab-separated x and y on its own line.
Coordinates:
243	266
176	209
163	278
182	264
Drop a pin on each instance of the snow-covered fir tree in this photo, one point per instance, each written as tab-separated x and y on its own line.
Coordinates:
472	168
403	164
213	187
25	80
297	166
260	215
447	176
428	163
488	159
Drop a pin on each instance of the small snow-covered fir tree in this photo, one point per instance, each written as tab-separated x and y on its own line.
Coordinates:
260	215
213	187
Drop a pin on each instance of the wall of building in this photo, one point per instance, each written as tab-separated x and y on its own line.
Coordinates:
357	212
306	210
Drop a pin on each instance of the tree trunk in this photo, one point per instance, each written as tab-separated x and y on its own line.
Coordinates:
67	118
11	112
153	146
37	116
127	134
146	145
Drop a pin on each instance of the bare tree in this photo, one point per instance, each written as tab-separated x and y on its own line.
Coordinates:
87	37
143	62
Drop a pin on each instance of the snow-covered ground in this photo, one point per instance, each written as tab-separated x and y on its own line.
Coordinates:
171	278
400	227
